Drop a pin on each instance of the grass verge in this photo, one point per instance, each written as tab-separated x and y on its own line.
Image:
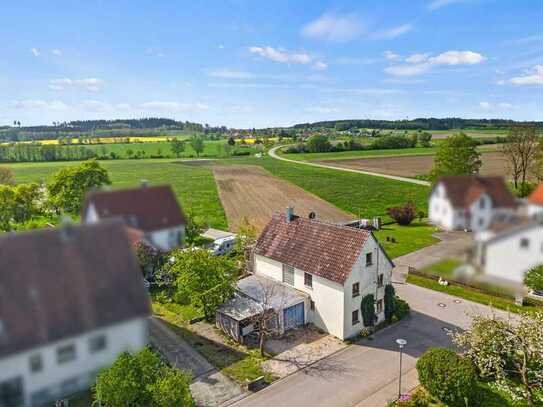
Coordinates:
399	240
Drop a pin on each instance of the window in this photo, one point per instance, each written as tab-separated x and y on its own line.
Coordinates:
524	243
70	386
66	353
308	280
380	280
312	305
355	317
356	289
482	203
369	260
97	343
288	274
379	306
36	363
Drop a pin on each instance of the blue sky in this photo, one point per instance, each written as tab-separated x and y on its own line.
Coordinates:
248	63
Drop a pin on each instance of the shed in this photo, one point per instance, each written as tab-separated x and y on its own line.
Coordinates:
235	316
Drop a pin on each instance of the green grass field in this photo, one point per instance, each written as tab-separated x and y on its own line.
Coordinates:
407	239
193	185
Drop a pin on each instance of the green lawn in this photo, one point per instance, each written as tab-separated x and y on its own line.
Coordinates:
444	268
362	195
472	295
193	185
407	239
236	361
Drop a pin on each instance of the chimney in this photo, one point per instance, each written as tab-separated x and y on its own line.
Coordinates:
143	183
289	214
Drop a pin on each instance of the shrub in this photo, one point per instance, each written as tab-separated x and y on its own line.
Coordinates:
367	308
447	376
392	141
404	214
401	309
390	302
318	144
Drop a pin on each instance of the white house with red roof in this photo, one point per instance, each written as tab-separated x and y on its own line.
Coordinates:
152	211
336	266
535	202
469	202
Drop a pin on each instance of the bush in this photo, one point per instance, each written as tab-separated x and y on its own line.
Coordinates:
390	302
403	215
401	309
448	376
367	308
392	142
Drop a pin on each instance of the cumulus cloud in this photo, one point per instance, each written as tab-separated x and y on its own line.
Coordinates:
393	32
320	66
391	56
533	76
281	55
88	84
35	51
334	28
422	63
39	104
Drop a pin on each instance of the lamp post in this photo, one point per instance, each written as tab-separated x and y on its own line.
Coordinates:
401	343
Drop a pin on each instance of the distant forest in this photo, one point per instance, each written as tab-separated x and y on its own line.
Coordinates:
99	128
415	124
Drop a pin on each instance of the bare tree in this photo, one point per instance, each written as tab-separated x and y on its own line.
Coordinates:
520	152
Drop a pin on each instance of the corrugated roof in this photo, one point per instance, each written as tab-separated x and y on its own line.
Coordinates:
58	283
326	250
146	208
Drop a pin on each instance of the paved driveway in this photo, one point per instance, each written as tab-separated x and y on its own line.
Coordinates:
366	374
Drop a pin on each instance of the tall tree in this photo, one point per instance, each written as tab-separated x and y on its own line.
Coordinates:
520	151
197	144
457	155
177	146
69	185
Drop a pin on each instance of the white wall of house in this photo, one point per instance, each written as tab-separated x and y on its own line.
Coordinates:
481	213
167	239
91	216
533	210
440	211
57	380
511	256
334	302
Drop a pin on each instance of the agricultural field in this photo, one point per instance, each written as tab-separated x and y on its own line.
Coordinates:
252	192
494	163
194	186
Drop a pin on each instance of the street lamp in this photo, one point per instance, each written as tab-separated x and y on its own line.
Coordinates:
401	343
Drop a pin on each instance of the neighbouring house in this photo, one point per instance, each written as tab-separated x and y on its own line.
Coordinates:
508	249
221	242
71	300
469	202
535	202
336	266
151	209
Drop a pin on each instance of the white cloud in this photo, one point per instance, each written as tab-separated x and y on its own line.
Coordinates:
484	105
505	105
172	106
88	84
35	51
334	28
391	56
532	77
422	63
123	106
393	32
407	70
56	52
281	55
436	4
226	73
457	58
39	104
320	66
321	109
221	46
495	106
416	58
95	106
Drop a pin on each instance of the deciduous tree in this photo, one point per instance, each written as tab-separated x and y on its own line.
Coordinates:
197	144
534	278
6	176
457	155
177	146
520	151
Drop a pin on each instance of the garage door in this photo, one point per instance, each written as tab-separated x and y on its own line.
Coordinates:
294	316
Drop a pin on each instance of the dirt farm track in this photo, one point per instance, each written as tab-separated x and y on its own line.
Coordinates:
412	165
250	191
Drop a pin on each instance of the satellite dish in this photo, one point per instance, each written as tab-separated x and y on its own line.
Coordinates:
312	215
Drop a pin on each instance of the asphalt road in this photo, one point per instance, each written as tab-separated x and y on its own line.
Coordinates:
272	153
366	374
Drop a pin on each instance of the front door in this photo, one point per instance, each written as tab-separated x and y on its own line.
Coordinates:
293	316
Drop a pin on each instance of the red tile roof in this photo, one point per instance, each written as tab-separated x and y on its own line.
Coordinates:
326	250
146	208
463	190
59	283
536	197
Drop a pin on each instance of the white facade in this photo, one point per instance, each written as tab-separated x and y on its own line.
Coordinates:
534	210
334	303
478	216
509	256
163	239
55	379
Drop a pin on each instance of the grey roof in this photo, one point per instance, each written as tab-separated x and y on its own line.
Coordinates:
216	234
276	294
240	307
